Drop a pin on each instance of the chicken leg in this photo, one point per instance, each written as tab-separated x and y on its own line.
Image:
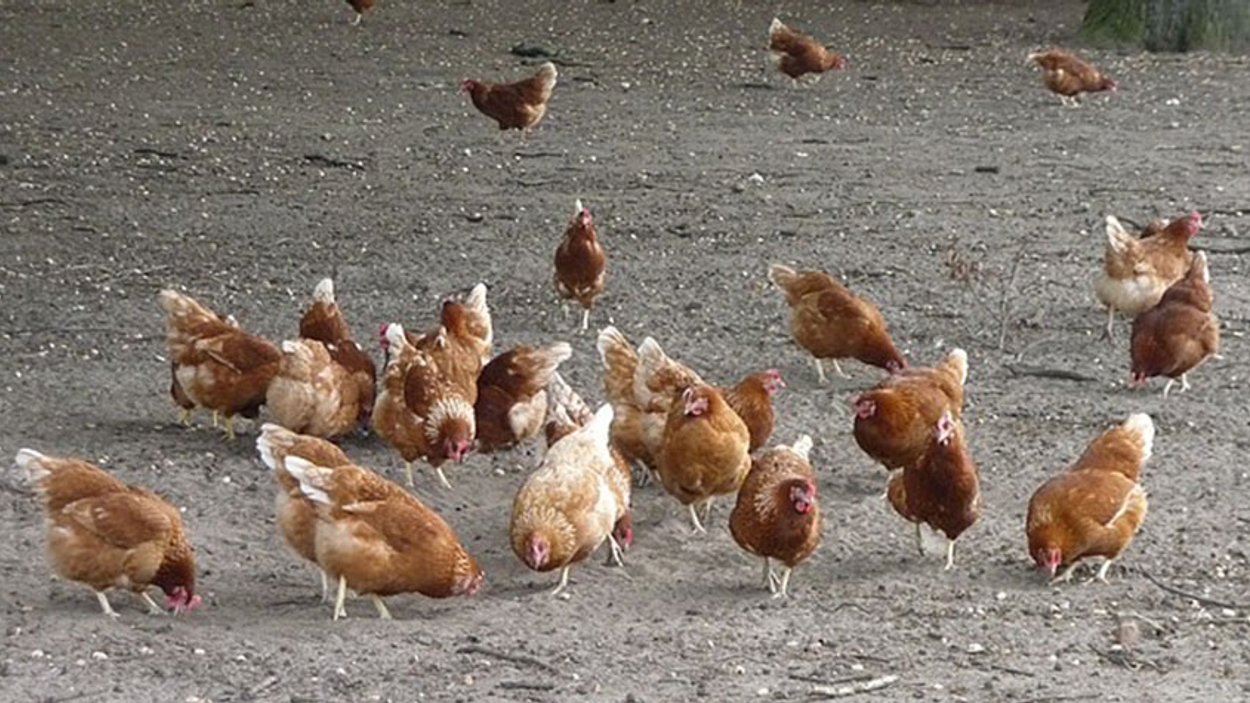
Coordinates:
1109	333
585	319
356	20
1102	571
339	610
564	582
616	555
783	588
1064	577
408	473
770	576
325	586
184	417
919	539
820	369
950	556
230	435
105	605
442	478
694	518
153	608
383	613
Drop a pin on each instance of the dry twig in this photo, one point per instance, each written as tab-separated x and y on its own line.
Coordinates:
1193	596
504	656
854	689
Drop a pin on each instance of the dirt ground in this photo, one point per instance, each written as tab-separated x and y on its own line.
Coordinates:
241	150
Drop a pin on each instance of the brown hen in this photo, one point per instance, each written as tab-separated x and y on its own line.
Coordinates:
1095	507
1179	334
106	534
777	515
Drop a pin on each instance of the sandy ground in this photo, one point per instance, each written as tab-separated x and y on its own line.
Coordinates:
242	150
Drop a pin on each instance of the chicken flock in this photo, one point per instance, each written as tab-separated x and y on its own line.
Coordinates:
443	393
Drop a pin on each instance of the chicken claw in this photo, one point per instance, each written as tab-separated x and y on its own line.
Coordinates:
184	417
356	20
820	369
104	604
230	435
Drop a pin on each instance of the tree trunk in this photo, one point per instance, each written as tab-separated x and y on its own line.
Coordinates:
1171	25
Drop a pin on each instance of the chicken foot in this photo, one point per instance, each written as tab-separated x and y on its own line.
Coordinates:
1172	381
184	416
229	424
105	605
694	514
783	588
442	478
1064	577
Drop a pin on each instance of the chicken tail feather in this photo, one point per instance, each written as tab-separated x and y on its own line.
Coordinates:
803	447
324	292
782	276
32	462
564	398
620	363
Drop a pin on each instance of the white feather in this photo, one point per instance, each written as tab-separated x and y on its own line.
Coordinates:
803	447
32	462
962	357
1145	428
395	335
324	292
311	478
599	426
1116	234
266	447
